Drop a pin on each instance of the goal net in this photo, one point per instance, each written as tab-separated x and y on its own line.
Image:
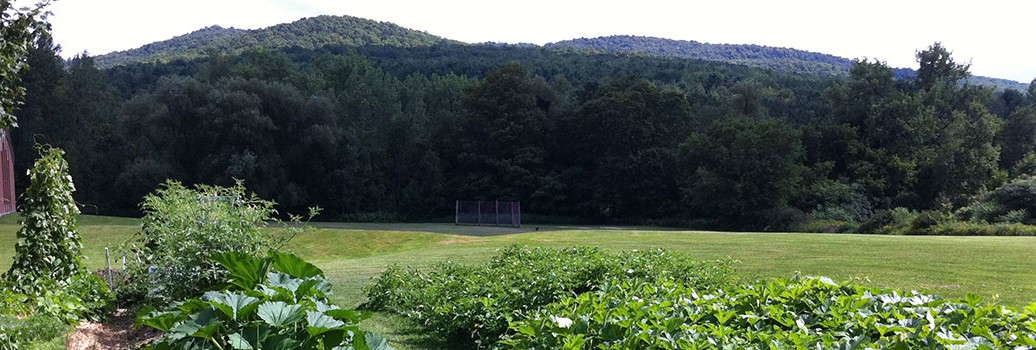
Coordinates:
489	213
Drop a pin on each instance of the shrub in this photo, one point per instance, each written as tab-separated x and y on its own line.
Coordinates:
276	302
830	214
476	302
1019	215
926	219
800	313
825	226
962	228
833	200
171	258
1011	203
87	297
894	221
981	212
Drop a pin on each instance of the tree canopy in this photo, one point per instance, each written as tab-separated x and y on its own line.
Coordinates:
399	133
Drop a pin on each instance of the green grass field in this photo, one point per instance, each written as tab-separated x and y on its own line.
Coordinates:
351	254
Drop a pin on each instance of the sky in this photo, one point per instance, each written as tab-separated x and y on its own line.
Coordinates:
995	36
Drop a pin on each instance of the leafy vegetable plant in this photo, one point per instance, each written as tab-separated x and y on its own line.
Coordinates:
276	302
798	313
477	302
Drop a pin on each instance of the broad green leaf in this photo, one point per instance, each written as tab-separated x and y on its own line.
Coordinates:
278	314
232	304
238	342
256	334
334	337
321	306
319	323
377	342
202	325
163	321
245	271
294	265
280	342
316	287
193	306
280	280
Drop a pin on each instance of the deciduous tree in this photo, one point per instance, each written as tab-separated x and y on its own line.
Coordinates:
741	172
19	28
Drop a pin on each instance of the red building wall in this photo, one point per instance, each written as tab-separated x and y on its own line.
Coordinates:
7	195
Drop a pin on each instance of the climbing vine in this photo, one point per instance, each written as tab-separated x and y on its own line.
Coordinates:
48	246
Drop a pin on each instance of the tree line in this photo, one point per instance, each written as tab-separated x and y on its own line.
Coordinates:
390	133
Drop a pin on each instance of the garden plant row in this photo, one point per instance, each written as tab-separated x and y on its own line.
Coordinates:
585	298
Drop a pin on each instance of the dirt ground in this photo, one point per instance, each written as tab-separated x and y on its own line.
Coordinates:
115	333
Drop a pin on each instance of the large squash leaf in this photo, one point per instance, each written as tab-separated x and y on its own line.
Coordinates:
294	265
246	271
235	305
278	314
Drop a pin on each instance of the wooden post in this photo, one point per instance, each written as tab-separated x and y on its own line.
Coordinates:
108	258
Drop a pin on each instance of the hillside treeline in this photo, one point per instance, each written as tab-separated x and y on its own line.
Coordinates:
389	133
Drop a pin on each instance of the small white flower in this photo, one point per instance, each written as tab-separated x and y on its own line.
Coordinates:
630	271
563	322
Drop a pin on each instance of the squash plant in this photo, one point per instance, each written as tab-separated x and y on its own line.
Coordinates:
276	302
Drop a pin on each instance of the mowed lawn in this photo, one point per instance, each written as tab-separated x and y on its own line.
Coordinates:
352	254
951	266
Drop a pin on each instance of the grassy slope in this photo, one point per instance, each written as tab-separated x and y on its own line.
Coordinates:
96	232
352	255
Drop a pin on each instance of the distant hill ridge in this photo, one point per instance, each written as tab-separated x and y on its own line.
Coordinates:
749	55
775	58
320	31
307	33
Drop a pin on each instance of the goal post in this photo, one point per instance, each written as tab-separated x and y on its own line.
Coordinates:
488	213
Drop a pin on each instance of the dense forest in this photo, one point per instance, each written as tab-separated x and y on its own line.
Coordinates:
398	132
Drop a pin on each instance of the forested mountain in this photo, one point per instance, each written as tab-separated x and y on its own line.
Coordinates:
395	131
320	31
308	33
791	60
777	58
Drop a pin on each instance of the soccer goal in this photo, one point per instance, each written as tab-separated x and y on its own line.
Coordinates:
489	213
